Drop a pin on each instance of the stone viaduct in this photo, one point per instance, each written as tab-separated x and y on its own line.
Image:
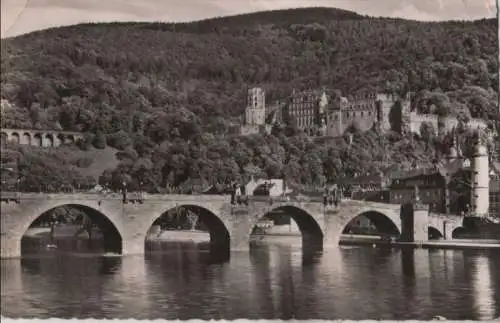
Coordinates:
39	138
230	226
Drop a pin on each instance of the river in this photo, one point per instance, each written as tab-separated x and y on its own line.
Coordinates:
272	281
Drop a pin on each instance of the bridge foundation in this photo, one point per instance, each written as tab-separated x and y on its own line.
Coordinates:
10	246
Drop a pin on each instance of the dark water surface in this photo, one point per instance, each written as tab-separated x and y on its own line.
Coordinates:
182	281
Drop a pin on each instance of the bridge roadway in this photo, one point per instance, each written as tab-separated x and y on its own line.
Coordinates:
127	221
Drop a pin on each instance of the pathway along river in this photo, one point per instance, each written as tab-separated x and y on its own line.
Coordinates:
183	281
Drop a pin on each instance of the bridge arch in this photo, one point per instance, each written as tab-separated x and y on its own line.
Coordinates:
37	140
107	219
48	140
207	220
434	233
384	222
308	224
27	138
5	138
15	138
59	139
69	139
459	232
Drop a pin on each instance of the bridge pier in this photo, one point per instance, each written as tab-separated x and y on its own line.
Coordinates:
239	244
333	227
10	246
447	230
134	245
239	235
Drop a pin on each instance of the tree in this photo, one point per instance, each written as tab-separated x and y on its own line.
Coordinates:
99	140
119	140
179	111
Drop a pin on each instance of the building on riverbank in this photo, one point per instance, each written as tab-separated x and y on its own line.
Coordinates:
495	195
9	170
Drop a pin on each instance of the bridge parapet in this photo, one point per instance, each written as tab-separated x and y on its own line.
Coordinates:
184	198
454	219
374	205
61	196
115	196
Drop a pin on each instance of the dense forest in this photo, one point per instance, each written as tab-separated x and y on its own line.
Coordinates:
169	96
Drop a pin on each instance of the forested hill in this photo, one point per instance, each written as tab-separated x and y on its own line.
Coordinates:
165	85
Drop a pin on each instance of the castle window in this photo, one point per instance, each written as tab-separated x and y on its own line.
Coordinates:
362	114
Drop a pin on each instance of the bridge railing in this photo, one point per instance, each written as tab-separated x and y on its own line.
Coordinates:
141	196
113	195
284	199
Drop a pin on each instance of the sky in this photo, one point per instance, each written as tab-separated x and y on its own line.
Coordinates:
23	16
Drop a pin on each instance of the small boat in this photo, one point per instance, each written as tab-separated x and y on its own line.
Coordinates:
51	246
439	318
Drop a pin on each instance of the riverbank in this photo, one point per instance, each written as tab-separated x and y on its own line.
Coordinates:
289	239
181	235
370	240
59	232
432	244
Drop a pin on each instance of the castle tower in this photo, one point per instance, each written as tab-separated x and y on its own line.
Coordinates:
385	107
255	113
453	150
481	180
323	103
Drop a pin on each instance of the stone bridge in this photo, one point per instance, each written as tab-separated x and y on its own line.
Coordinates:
127	220
39	138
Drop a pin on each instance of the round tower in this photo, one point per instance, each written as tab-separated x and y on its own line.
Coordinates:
480	180
453	155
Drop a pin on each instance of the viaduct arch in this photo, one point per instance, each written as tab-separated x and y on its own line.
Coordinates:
230	225
39	138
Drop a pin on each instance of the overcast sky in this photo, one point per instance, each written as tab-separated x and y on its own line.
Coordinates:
22	16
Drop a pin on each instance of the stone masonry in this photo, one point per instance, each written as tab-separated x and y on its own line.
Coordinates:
230	226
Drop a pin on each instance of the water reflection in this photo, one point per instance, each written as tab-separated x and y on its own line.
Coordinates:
183	281
483	290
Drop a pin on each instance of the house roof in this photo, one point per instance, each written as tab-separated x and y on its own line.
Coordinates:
362	180
404	174
496	166
443	169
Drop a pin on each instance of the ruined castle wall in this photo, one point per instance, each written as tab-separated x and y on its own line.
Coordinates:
385	102
416	121
334	124
477	124
360	113
250	129
447	124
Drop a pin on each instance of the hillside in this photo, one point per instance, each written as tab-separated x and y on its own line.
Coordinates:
175	90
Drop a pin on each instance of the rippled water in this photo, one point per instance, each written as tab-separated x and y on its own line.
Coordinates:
184	281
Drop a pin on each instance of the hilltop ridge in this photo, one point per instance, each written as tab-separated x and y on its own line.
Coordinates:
166	97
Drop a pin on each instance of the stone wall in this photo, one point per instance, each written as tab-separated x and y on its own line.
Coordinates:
230	226
39	138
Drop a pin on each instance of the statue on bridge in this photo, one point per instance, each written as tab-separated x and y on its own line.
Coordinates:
332	195
238	194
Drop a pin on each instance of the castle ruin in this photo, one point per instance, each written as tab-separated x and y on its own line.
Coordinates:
319	114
